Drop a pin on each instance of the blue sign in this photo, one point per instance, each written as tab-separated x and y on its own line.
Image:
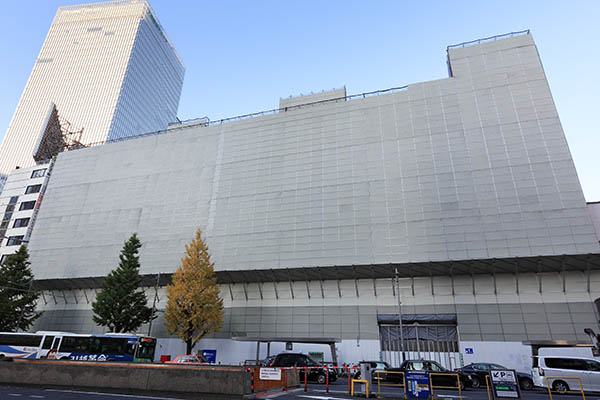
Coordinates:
468	350
417	385
210	355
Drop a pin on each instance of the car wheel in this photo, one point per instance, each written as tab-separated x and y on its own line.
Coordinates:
560	386
526	384
321	378
475	382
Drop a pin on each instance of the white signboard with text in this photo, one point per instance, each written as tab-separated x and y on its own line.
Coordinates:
270	374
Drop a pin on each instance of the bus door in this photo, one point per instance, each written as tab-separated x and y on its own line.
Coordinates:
56	346
46	346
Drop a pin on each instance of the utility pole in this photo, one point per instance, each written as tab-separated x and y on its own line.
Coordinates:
400	316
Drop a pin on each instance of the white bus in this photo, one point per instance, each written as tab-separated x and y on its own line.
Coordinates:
79	347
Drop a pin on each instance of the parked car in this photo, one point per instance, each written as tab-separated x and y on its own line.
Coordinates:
478	372
189	359
586	369
442	377
316	372
376	366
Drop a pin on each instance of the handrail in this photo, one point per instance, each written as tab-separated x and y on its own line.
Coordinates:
487	39
203	122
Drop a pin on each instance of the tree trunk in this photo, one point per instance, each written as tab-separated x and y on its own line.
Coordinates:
189	346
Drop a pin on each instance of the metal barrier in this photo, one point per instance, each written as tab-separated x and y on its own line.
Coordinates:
446	387
359	381
565	391
488	39
379	384
487	386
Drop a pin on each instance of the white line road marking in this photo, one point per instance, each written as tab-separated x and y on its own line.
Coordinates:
35	396
15	394
320	397
111	394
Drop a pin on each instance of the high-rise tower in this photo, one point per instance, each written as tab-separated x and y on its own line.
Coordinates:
105	71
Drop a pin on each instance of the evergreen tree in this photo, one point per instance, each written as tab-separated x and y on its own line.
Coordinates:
17	297
194	308
120	305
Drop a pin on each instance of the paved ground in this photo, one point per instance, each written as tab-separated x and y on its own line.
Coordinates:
337	391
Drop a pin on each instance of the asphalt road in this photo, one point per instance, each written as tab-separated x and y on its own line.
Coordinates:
19	393
337	391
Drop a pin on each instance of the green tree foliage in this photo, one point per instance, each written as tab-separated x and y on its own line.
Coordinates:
194	308
120	305
17	297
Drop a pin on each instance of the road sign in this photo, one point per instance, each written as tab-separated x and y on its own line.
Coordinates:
417	385
505	383
210	355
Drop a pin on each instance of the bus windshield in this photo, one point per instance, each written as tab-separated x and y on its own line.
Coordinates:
146	349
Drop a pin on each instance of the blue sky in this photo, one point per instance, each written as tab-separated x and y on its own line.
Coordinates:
242	56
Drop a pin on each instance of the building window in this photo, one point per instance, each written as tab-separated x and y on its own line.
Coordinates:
3	258
9	209
38	173
21	222
33	189
27	205
4	224
13	200
14	240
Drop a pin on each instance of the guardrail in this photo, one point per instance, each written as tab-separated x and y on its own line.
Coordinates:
487	39
445	387
562	378
379	384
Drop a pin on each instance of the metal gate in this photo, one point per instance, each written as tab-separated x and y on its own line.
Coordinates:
425	336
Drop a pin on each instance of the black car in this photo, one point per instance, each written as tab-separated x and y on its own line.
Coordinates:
478	371
442	376
376	366
316	372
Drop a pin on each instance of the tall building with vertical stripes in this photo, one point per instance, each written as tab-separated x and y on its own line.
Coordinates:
105	71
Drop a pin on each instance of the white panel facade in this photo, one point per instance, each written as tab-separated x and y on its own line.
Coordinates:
111	71
469	167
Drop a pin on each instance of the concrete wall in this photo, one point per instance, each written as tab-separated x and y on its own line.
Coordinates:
202	383
472	166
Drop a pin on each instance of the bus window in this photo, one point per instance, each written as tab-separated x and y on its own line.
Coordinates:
56	342
47	343
112	345
95	345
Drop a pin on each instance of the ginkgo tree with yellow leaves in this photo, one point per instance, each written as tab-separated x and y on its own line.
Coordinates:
194	308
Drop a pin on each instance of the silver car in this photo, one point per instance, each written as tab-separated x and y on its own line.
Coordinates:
561	373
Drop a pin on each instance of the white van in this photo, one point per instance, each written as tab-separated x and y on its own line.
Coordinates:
560	372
